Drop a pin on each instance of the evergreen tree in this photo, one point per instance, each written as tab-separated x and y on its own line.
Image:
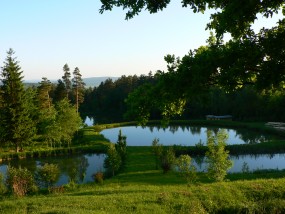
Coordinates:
44	89
17	127
78	87
60	91
66	79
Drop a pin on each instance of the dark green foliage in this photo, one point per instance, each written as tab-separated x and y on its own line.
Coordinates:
16	121
167	159
47	175
66	80
121	147
157	149
78	87
20	181
113	160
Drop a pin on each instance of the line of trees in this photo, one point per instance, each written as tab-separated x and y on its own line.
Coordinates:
132	97
47	112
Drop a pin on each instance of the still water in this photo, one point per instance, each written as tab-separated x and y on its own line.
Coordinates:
79	168
181	135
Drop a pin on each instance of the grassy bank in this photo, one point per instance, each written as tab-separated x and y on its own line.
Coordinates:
87	140
142	189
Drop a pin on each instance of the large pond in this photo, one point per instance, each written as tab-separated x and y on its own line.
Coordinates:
181	135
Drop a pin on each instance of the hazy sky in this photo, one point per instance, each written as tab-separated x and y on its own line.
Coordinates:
47	34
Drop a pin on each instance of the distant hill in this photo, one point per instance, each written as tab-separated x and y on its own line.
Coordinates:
95	81
90	82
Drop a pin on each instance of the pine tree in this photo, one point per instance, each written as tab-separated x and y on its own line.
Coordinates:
66	79
17	126
78	87
44	89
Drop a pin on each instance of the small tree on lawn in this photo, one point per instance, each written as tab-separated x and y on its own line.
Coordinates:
113	160
121	147
217	157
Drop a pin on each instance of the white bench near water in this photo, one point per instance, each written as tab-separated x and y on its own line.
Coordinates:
222	117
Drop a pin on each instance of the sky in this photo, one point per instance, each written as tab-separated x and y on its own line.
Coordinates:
48	34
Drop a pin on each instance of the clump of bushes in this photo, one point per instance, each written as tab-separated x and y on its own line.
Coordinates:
185	168
20	181
98	177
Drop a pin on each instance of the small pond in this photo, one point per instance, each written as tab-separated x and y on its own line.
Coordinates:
79	168
181	135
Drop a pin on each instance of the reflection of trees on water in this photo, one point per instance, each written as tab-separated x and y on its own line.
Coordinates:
195	130
74	167
30	164
199	160
250	137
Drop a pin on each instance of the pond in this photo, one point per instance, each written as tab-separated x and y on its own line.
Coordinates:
181	135
79	168
254	162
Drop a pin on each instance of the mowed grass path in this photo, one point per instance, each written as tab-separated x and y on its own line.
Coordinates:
142	189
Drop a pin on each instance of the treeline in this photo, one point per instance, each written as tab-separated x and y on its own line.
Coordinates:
45	115
112	101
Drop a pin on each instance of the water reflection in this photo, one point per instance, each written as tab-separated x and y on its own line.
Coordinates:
254	162
182	135
78	168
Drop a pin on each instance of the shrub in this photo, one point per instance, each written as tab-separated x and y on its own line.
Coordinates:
20	181
186	168
47	175
167	159
98	177
157	151
217	157
113	160
2	185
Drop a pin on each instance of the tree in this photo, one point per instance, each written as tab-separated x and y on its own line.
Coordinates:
217	157
68	121
60	91
44	89
66	79
121	147
113	160
233	16
78	87
16	123
249	58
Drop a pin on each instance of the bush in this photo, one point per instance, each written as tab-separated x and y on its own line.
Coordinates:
217	157
186	168
47	175
20	181
157	151
167	159
98	177
2	185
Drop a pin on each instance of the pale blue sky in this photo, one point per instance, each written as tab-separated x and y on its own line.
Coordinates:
46	34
